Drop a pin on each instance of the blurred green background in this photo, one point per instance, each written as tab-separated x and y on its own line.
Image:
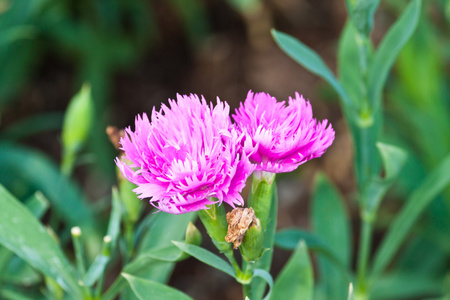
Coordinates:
134	54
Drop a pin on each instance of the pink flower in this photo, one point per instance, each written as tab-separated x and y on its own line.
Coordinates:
188	154
284	136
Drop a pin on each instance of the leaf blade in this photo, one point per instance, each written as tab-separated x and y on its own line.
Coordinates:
389	48
310	60
148	289
34	245
435	182
296	278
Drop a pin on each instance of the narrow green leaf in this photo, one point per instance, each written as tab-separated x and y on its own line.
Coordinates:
155	237
37	204
393	159
389	49
21	165
34	245
435	183
331	224
101	261
350	73
206	257
296	279
258	286
95	270
148	289
33	125
267	278
115	217
310	60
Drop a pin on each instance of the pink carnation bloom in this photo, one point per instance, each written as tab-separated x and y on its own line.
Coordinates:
285	136
189	153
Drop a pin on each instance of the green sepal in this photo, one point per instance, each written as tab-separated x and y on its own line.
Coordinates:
215	221
261	196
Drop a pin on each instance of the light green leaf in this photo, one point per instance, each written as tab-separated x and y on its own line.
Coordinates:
435	183
296	279
34	245
114	219
206	257
393	159
267	278
310	60
331	224
148	289
389	49
37	204
101	261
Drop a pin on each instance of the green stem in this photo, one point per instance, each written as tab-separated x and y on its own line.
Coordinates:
129	239
363	257
118	285
248	273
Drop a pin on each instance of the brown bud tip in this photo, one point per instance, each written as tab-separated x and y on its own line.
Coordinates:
114	135
239	220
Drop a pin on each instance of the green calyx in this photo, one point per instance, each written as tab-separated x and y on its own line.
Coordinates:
215	222
263	184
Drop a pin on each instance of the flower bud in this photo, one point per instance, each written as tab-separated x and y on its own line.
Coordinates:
193	236
252	245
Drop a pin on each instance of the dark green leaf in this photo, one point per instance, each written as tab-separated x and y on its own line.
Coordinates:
435	182
389	49
22	233
206	257
33	125
148	289
296	280
331	224
289	238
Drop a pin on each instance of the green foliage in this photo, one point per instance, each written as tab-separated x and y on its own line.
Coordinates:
416	203
331	224
296	280
394	40
144	289
22	233
206	257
